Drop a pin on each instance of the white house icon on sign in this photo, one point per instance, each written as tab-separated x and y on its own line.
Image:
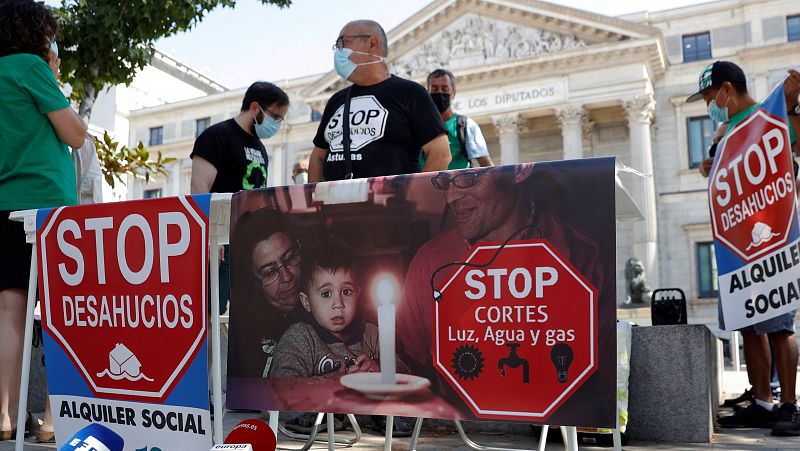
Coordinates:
123	364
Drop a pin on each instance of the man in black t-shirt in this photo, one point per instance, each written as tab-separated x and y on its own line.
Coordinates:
229	156
392	119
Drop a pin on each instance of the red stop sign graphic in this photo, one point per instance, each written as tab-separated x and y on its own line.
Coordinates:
752	191
123	292
515	338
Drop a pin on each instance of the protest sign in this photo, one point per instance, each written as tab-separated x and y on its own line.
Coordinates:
335	286
123	294
752	200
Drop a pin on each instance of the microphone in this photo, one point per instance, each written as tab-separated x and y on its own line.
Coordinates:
249	435
94	437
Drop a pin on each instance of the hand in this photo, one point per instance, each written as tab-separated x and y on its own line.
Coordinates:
364	364
221	254
791	88
705	166
55	63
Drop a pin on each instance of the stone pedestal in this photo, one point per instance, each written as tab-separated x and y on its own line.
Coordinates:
674	389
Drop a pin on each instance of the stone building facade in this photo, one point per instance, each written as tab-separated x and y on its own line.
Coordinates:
547	82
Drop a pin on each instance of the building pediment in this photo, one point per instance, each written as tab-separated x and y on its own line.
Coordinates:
466	36
474	40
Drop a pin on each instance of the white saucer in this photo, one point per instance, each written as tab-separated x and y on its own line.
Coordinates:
371	386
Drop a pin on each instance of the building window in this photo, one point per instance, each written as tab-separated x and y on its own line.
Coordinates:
700	132
696	47
151	193
707	283
201	126
793	27
156	136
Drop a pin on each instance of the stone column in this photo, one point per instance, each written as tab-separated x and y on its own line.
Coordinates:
173	185
572	119
640	110
508	127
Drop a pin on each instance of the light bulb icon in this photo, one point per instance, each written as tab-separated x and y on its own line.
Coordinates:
561	355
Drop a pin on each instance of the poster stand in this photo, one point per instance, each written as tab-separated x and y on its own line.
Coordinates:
219	232
312	436
28	218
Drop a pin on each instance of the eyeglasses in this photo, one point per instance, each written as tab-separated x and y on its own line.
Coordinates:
339	44
270	273
442	180
271	114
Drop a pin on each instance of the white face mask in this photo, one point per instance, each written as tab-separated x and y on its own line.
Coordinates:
301	178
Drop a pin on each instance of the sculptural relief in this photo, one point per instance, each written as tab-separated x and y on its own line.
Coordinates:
474	40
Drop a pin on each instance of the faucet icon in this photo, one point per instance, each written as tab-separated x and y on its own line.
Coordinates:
512	361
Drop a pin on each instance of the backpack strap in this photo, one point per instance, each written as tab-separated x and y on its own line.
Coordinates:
348	159
461	133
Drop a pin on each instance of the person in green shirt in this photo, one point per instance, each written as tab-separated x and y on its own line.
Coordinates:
723	86
466	140
36	169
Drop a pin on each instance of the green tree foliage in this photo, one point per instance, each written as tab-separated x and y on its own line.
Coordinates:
116	161
105	43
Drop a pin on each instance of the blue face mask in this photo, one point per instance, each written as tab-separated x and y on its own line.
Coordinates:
268	127
341	62
716	113
344	67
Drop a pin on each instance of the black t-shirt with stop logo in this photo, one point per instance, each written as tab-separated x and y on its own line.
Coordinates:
240	158
389	123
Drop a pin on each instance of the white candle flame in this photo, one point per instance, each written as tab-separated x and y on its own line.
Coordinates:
386	289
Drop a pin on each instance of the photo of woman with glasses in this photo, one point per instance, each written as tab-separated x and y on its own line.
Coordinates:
269	290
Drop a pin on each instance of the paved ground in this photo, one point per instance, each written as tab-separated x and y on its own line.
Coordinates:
437	437
744	439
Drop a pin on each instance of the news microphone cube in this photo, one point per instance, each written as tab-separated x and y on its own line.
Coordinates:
94	437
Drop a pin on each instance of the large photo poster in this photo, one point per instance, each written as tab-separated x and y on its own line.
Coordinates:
124	299
474	294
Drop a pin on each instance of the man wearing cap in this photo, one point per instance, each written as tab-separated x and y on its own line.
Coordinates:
723	86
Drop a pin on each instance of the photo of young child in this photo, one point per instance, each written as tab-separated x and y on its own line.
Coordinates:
333	339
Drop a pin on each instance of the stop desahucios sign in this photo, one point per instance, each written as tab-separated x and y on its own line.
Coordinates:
752	190
123	290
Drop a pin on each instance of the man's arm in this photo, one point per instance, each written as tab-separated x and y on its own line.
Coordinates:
794	122
437	154
485	161
203	175
791	88
315	162
476	144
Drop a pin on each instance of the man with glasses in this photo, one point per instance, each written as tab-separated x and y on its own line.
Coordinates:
391	121
488	205
230	157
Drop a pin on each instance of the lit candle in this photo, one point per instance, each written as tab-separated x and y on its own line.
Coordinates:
386	290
